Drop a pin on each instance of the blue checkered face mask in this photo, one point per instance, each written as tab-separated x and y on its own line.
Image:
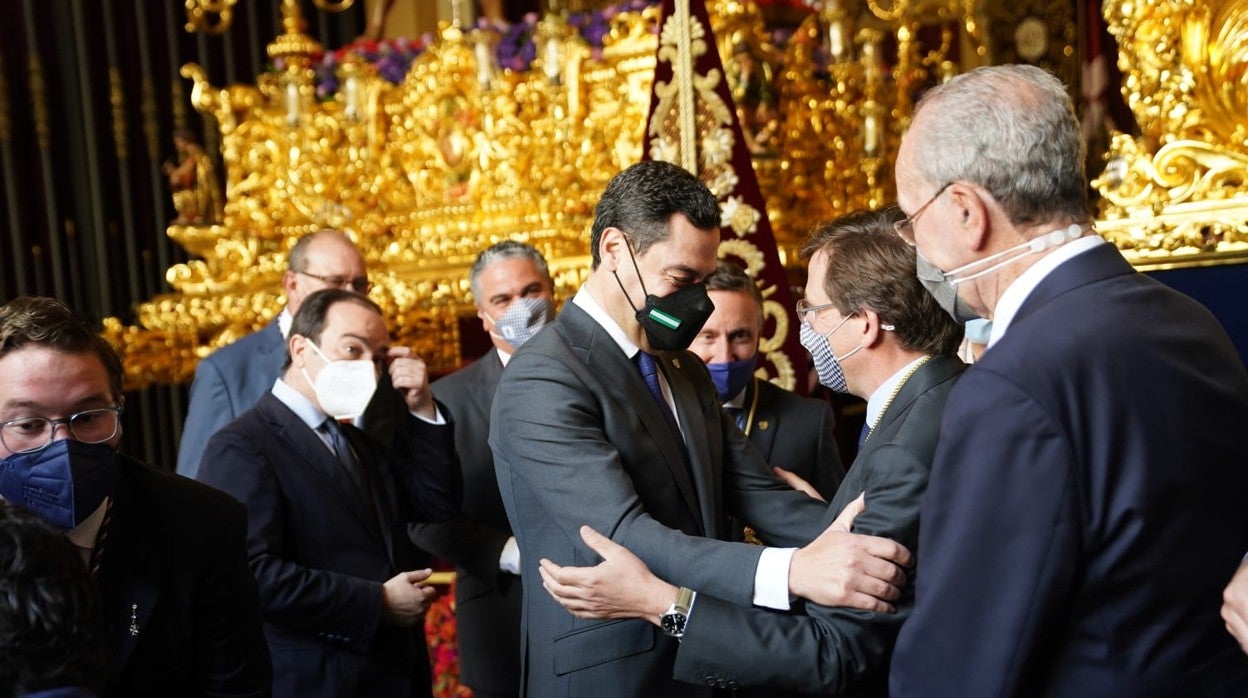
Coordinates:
523	319
827	363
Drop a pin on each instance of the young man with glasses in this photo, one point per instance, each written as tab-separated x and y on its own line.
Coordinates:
232	379
179	603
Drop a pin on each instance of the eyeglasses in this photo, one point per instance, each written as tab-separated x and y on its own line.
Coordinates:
804	309
30	434
359	284
905	226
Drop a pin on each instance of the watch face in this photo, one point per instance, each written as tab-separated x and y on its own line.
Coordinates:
673	624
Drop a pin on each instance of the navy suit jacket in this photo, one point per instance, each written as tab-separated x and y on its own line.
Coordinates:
179	603
320	553
229	381
1086	504
578	439
487	600
834	650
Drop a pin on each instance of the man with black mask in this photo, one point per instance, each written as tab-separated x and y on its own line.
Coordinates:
605	419
179	603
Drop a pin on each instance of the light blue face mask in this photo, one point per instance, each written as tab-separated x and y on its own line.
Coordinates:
978	330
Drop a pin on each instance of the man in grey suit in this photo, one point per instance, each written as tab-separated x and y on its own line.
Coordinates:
604	420
874	332
230	380
790	431
514	294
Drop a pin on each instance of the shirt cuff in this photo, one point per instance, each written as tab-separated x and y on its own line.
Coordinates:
509	559
771	578
437	417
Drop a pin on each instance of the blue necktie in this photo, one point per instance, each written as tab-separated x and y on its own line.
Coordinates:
862	436
650	373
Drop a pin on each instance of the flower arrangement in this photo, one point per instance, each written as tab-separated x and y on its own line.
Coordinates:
440	630
514	51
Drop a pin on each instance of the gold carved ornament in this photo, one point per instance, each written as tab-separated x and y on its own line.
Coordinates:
1177	195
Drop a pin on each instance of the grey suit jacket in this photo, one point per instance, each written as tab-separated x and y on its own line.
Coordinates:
835	649
487	601
578	439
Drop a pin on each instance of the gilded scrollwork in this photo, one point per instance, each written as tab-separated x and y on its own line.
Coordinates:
1178	193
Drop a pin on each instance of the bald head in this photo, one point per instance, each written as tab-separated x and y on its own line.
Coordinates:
320	260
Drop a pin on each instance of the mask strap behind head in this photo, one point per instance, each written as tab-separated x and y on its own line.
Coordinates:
1038	244
637	269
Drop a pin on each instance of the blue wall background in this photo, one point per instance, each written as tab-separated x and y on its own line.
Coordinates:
1222	289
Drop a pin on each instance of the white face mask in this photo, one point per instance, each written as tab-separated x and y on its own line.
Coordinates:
343	387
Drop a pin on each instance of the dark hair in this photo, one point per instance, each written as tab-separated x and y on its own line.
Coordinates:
730	277
50	323
50	619
507	249
870	267
310	320
642	199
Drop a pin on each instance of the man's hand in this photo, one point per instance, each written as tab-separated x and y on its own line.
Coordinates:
404	598
1235	605
621	586
795	481
840	568
411	378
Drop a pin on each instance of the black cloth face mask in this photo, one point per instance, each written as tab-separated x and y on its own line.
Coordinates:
670	322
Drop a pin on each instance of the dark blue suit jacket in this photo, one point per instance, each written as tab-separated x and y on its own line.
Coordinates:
320	554
1086	504
487	600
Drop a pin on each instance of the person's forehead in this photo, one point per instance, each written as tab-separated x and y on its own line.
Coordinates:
36	374
508	271
687	246
350	318
734	306
333	255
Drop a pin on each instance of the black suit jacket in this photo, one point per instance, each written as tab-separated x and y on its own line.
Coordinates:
487	600
1086	505
182	616
794	433
578	439
320	553
835	649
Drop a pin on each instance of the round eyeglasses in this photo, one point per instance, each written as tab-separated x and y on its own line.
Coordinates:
31	434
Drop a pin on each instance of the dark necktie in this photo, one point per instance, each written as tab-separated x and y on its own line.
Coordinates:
650	373
738	416
346	455
862	436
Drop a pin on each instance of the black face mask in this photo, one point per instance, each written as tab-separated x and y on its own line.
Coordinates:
670	322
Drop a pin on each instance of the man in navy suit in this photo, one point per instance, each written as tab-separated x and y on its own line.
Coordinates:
1085	507
340	593
230	380
790	431
178	602
514	294
873	331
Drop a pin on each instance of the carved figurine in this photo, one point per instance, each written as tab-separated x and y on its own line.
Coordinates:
192	181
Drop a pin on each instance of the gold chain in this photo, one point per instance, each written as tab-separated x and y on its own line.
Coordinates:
900	384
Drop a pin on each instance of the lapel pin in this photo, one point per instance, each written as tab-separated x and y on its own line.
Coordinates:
676	363
764	424
134	620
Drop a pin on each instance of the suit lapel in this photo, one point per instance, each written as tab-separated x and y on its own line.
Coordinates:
307	448
936	370
622	379
764	421
379	489
487	383
1100	262
128	576
693	423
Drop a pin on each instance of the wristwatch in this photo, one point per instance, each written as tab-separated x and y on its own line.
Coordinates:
673	619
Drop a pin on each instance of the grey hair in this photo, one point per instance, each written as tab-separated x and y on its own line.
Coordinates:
507	249
1012	130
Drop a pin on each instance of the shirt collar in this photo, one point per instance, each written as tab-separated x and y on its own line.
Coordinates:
587	303
83	535
1016	294
879	397
304	409
284	319
503	356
